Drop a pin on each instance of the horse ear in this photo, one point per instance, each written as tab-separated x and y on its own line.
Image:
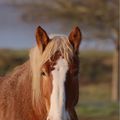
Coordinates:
75	38
42	38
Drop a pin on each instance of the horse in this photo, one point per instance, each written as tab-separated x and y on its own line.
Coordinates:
46	86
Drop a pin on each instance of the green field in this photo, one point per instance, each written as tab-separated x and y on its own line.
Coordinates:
95	82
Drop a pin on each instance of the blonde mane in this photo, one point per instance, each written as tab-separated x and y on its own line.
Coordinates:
38	58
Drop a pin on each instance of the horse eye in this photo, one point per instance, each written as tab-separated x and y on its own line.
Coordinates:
43	74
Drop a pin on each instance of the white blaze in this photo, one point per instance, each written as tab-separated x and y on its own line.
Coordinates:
57	100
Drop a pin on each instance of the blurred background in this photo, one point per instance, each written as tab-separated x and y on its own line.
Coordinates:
99	51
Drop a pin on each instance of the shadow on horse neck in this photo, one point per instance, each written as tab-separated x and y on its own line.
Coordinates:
46	87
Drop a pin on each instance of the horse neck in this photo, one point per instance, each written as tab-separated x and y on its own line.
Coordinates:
19	84
15	85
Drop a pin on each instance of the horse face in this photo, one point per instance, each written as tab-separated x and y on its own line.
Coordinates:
60	86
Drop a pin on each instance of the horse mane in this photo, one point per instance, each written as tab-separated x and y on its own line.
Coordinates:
39	57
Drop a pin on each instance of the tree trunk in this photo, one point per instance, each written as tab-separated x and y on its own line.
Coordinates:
115	79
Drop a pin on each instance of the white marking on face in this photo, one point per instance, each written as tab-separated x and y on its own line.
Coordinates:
57	105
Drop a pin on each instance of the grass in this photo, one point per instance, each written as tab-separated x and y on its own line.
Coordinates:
100	92
95	102
97	111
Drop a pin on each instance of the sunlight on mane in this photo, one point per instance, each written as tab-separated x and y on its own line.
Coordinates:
38	58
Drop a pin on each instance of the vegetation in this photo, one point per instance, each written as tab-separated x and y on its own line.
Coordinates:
93	110
11	58
99	62
87	12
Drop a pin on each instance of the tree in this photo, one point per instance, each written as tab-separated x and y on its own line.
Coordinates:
116	67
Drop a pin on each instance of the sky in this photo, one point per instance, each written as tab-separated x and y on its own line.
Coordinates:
21	1
14	33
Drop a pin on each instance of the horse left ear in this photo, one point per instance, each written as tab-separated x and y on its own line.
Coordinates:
42	38
75	38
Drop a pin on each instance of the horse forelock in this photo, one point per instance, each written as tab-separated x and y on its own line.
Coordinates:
38	58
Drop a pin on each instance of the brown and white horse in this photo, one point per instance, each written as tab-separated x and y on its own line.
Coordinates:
46	87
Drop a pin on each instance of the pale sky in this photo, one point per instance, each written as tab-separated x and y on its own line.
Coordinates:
21	1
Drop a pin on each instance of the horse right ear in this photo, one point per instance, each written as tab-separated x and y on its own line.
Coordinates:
42	38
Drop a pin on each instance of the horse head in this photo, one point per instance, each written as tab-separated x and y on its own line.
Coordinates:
55	68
